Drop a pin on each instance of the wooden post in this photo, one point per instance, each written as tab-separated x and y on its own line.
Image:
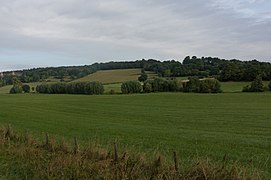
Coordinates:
176	165
26	136
76	146
115	153
8	133
46	139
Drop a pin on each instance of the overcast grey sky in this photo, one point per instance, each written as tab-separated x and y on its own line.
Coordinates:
35	33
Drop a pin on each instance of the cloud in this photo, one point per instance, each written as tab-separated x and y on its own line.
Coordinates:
66	32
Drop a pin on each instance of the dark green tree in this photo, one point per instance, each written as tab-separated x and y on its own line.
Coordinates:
147	87
26	88
16	90
131	87
193	85
94	88
257	85
143	77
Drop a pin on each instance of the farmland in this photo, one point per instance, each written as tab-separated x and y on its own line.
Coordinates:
115	76
208	125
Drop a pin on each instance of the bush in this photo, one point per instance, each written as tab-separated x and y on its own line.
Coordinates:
162	85
143	77
147	87
202	86
158	85
193	85
246	88
26	88
16	90
58	88
210	86
255	86
131	87
43	88
94	88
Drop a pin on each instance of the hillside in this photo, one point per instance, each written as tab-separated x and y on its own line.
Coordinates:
115	76
221	69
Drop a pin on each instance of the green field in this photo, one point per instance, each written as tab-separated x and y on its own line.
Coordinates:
116	76
113	76
201	125
236	86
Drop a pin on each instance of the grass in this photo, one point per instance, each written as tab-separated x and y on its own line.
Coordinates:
195	125
23	157
236	86
115	76
115	87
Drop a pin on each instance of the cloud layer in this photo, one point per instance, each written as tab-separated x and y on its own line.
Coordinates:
65	32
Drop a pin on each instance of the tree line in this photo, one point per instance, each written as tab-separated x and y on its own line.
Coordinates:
89	88
221	69
195	85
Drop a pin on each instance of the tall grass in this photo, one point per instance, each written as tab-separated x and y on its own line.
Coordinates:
24	157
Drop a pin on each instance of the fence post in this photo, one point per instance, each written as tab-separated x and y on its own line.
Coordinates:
46	139
76	146
115	153
176	165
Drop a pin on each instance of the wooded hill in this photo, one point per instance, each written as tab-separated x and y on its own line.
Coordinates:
224	70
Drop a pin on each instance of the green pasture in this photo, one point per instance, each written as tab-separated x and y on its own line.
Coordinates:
237	86
195	125
116	76
113	76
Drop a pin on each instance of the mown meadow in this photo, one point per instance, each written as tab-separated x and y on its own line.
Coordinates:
194	125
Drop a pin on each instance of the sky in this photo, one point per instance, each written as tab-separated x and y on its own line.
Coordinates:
42	33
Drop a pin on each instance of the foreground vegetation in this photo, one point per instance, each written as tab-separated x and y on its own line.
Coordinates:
195	125
23	157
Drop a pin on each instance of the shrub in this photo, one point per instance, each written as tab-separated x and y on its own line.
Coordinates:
16	89
246	88
131	87
79	88
193	85
202	86
26	88
94	88
210	86
143	77
58	88
43	88
255	86
158	85
162	85
147	87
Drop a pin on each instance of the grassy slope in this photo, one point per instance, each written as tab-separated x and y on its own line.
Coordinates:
113	76
116	76
203	124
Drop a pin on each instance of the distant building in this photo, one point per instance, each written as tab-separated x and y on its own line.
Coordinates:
1	75
13	73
